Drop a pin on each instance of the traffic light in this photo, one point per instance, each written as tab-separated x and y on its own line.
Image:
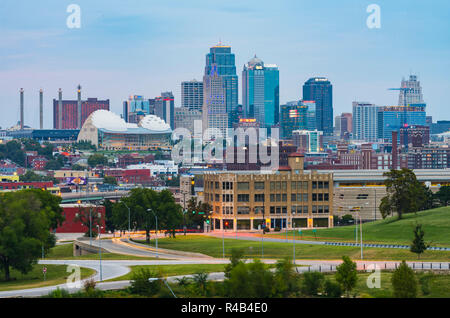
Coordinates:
192	186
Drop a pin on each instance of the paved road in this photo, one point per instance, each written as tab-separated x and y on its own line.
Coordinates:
257	237
113	269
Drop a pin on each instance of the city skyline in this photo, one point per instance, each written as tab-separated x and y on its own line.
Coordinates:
39	51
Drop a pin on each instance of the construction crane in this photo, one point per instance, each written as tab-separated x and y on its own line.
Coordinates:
404	90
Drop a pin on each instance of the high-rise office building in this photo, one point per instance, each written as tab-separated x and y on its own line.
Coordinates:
320	90
136	108
410	92
70	118
343	125
215	117
308	141
220	62
164	108
186	118
192	95
260	92
365	121
392	118
293	117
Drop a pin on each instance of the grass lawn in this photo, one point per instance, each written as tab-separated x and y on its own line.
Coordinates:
439	286
65	252
435	223
213	246
56	274
174	270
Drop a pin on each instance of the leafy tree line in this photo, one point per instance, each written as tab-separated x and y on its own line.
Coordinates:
26	218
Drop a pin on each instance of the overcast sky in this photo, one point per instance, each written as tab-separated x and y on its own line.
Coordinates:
146	47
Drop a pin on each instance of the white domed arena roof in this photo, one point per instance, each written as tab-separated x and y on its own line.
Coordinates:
153	122
108	120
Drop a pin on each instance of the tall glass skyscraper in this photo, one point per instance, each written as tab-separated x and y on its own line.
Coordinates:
221	62
320	90
260	92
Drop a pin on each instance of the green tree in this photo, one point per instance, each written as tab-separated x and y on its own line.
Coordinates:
97	159
404	282
90	218
25	223
332	289
252	280
109	223
200	280
401	186
418	245
236	258
285	279
443	195
312	283
110	180
140	200
141	285
346	275
31	176
197	212
53	165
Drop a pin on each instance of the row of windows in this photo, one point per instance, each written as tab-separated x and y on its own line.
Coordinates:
295	209
259	197
274	185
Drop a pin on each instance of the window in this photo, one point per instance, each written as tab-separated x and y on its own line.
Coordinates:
284	210
320	183
314	209
243	197
272	198
314	196
284	197
314	185
272	210
217	185
243	186
259	197
283	185
293	197
278	209
305	197
293	209
299	197
272	185
362	196
326	185
217	198
294	185
278	185
259	209
278	197
325	197
320	196
259	185
243	210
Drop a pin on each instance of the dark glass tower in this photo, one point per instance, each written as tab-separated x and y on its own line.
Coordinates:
320	90
221	57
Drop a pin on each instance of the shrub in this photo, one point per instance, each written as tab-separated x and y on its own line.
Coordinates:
332	289
312	283
346	275
404	282
59	293
141	285
425	283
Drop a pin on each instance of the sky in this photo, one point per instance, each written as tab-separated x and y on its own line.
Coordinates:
138	47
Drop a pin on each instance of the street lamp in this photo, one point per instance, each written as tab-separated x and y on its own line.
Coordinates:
129	219
165	282
100	249
156	232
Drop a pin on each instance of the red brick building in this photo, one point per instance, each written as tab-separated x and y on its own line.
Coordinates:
70	211
70	111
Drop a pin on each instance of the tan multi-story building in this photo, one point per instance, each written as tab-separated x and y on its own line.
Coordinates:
289	198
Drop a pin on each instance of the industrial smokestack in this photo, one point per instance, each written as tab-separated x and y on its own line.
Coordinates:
79	107
41	109
21	109
60	109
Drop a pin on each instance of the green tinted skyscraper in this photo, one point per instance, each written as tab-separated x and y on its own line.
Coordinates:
260	92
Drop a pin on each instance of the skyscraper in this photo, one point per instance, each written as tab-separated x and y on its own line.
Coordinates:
135	108
413	93
221	62
392	118
192	95
365	121
320	90
164	108
260	92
